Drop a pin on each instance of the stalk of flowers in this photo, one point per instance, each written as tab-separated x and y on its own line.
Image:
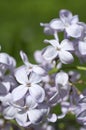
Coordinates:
29	93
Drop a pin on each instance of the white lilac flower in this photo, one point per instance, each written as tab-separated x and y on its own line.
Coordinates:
61	51
28	82
32	113
24	111
31	67
67	22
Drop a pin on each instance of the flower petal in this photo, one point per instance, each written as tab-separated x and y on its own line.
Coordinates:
37	92
21	119
61	78
57	24
65	16
65	57
74	19
30	102
24	57
21	75
19	92
74	30
39	70
54	43
34	78
67	45
82	48
49	53
35	116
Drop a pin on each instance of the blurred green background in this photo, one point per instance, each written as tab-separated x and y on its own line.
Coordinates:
20	22
20	25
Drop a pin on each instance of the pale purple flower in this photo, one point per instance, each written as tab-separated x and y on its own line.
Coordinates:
28	82
31	67
61	51
67	22
32	113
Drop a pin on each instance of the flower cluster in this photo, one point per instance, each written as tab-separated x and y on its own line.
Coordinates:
29	93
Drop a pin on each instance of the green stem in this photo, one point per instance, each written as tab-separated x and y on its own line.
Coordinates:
55	70
81	68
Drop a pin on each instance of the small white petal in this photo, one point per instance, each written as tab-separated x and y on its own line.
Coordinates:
35	78
37	69
37	92
30	102
57	24
82	48
19	92
49	53
65	57
65	16
24	57
21	75
35	116
67	45
74	19
61	78
21	119
54	43
38	57
74	30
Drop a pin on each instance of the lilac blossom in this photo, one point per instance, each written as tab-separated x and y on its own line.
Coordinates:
67	22
29	93
28	82
61	51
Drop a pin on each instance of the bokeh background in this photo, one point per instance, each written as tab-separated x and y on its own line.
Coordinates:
20	28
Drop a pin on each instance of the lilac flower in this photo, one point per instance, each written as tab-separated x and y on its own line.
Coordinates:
62	51
28	82
67	22
24	111
31	67
32	113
